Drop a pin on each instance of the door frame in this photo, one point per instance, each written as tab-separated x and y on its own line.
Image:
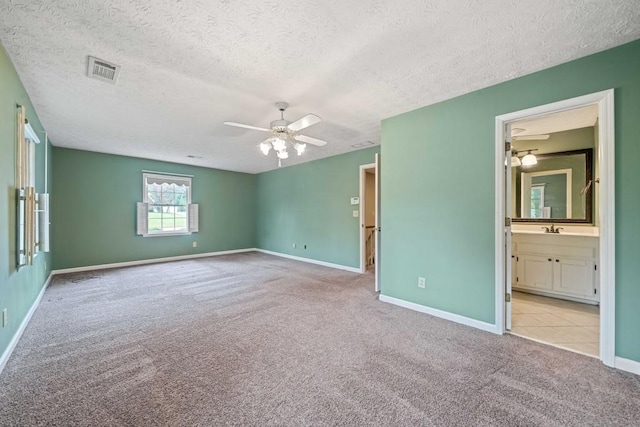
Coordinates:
363	177
606	209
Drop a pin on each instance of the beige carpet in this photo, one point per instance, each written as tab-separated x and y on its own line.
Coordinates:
252	339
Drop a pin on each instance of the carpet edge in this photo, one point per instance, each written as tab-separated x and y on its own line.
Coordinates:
6	355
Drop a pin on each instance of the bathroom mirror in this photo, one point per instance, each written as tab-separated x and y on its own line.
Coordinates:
558	188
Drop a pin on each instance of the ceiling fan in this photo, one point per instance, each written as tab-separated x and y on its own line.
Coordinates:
284	132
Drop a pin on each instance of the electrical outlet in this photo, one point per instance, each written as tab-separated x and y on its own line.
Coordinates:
421	282
4	318
195	244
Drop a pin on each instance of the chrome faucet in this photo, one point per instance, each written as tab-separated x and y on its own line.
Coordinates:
553	229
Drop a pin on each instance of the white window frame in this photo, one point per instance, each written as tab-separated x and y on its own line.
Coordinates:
145	197
541	188
525	188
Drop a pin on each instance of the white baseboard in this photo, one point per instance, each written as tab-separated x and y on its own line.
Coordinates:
627	365
149	261
16	337
439	313
311	261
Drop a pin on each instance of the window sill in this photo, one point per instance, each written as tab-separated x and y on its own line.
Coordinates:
185	233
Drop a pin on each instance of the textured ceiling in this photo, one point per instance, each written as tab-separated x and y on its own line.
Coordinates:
189	65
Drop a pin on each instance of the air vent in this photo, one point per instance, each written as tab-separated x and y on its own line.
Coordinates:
102	70
363	144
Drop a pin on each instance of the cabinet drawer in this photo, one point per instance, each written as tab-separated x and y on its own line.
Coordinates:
557	250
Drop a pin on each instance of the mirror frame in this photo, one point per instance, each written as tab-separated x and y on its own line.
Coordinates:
588	152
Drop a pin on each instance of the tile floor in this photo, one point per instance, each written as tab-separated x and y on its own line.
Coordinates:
567	324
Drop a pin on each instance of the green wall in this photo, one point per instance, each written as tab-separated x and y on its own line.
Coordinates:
18	289
94	210
309	204
438	189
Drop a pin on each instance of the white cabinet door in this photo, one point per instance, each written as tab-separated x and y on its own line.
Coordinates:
574	277
514	271
535	272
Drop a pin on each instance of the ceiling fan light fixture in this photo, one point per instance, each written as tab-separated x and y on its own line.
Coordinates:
282	154
265	147
279	144
529	160
283	133
300	148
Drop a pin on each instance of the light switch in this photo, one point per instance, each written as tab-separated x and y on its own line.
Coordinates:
356	214
355	200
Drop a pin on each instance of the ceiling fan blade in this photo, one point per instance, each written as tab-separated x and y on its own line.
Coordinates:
310	140
531	137
304	122
240	125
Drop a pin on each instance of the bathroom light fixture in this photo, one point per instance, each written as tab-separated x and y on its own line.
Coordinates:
529	159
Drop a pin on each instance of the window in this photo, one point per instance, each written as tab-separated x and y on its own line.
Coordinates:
167	207
29	215
537	201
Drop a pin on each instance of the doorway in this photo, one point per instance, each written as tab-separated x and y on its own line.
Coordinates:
560	284
370	220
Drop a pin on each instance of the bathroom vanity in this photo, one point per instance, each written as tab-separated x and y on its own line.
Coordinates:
560	265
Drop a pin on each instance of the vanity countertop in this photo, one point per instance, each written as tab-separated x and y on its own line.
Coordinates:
568	231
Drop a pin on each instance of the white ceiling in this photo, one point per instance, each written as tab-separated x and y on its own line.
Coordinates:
576	118
189	65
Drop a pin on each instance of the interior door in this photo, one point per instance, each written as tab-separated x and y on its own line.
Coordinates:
507	227
377	225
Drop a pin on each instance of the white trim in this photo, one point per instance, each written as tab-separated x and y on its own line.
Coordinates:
149	261
363	178
441	314
499	226
526	186
168	233
377	262
16	337
606	207
606	159
627	365
30	134
311	261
